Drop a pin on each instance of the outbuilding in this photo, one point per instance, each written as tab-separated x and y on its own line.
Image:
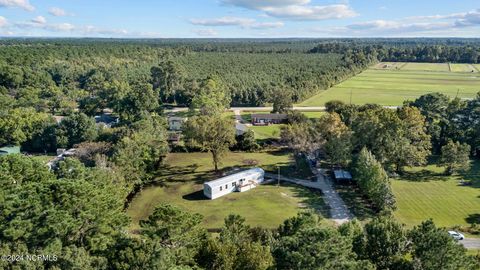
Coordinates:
267	119
238	182
9	149
342	176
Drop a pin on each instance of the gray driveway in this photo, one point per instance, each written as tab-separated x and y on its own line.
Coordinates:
471	243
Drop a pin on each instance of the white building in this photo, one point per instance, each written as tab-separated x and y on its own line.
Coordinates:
175	123
240	182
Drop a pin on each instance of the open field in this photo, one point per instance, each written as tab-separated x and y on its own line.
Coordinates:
463	68
392	87
266	132
427	193
180	183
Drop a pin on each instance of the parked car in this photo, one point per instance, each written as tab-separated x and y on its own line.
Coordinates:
456	235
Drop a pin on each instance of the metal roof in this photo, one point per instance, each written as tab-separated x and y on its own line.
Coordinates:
233	177
341	174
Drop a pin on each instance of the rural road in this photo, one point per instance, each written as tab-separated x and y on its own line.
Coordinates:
471	243
268	109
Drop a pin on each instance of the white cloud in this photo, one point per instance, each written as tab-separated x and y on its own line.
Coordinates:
450	24
206	32
3	21
260	4
300	10
223	21
39	20
58	12
25	4
236	21
311	12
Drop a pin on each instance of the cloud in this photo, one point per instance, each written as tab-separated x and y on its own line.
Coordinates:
298	10
206	32
3	22
426	25
236	21
58	12
25	4
39	20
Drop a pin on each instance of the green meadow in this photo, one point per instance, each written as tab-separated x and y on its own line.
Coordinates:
394	83
181	180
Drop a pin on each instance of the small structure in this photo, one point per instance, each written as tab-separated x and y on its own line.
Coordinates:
106	119
267	119
175	123
174	137
342	176
240	182
9	149
61	155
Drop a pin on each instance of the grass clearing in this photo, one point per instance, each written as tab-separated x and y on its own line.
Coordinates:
425	193
180	183
463	68
313	115
426	67
393	87
266	132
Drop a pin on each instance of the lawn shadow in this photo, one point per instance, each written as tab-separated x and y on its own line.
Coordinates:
195	196
358	205
473	218
472	176
423	176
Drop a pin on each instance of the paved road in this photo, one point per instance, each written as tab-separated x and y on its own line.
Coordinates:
339	212
267	109
471	243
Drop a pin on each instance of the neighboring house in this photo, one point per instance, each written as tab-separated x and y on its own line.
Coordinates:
267	119
240	182
9	149
61	155
174	137
175	123
342	176
106	119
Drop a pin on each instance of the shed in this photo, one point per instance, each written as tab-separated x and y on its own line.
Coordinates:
241	181
342	175
9	149
267	119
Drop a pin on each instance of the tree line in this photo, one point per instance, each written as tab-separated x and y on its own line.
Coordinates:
432	53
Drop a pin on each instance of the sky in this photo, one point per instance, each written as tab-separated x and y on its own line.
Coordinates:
239	18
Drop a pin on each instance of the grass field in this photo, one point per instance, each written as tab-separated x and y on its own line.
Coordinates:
391	86
266	132
180	183
427	193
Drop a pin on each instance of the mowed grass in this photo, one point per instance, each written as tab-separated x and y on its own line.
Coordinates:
463	68
426	193
393	87
180	183
266	132
426	67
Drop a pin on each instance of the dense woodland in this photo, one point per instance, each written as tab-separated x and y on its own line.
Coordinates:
76	211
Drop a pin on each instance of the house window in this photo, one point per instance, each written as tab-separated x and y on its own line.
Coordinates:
220	188
226	186
234	184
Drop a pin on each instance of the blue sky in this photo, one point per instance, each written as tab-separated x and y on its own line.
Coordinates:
240	18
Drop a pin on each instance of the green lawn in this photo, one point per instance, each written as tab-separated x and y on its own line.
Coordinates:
267	132
427	193
312	115
180	183
391	86
463	68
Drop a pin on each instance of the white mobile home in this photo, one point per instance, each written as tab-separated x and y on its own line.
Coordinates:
240	182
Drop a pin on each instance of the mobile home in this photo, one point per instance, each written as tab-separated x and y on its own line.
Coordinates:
240	182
